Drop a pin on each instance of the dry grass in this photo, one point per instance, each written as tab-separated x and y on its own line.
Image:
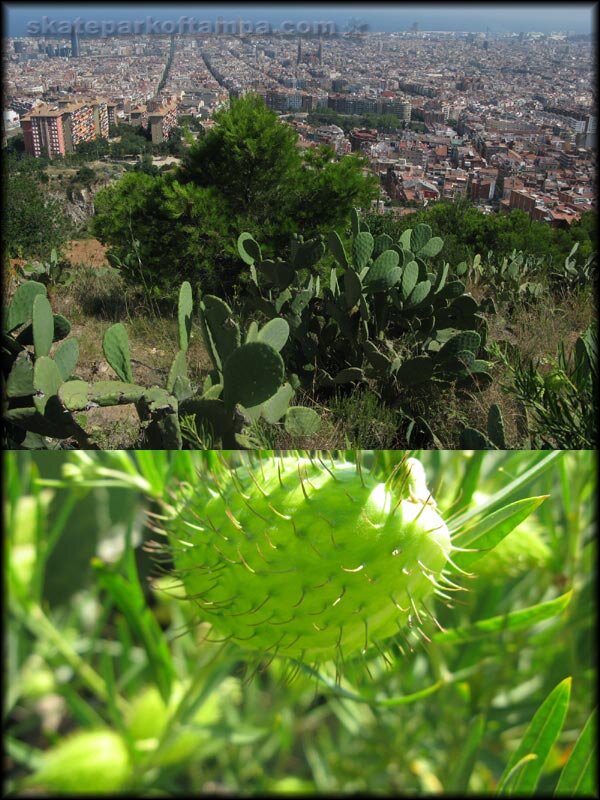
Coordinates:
540	330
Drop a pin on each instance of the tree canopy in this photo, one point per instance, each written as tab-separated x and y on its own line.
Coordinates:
34	223
466	231
254	161
247	173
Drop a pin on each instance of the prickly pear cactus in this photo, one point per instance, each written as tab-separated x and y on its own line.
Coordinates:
312	559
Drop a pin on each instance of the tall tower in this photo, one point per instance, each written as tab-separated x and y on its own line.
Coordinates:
299	56
74	42
320	51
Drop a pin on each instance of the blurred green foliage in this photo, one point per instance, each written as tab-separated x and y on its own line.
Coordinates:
110	674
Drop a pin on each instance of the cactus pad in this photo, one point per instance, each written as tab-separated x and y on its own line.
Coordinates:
43	325
74	395
46	381
66	356
352	288
221	332
337	248
274	333
385	272
249	249
432	247
362	248
20	379
419	237
184	315
115	345
20	309
410	276
252	374
300	421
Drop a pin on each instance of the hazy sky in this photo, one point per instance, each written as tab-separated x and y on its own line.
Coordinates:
499	18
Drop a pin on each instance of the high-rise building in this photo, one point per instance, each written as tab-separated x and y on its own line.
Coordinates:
100	111
162	120
111	109
56	130
43	132
74	42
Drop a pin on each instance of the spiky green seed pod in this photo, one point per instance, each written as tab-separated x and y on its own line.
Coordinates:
309	559
87	762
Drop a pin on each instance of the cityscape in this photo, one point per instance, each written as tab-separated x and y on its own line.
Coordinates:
505	120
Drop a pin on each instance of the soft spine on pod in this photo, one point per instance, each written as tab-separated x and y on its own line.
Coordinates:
308	558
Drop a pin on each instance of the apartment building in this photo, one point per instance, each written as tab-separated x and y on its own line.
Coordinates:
57	130
162	120
362	138
43	132
111	112
100	109
79	124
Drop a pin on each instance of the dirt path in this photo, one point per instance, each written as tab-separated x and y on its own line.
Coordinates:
79	252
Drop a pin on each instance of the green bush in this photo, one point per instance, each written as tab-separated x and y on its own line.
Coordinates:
245	174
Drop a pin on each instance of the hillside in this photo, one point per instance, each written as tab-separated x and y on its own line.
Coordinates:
240	298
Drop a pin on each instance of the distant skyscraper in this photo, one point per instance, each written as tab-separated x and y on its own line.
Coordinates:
74	42
320	52
299	56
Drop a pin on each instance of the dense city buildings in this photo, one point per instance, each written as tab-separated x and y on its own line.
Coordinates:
508	121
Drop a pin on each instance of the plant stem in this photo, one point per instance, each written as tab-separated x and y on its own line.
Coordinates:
42	627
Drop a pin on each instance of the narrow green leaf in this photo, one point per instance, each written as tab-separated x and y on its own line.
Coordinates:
151	469
468	485
578	774
484	535
30	757
514	621
82	711
129	599
112	708
541	464
540	736
458	779
506	782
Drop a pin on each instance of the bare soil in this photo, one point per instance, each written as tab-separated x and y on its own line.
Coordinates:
86	252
